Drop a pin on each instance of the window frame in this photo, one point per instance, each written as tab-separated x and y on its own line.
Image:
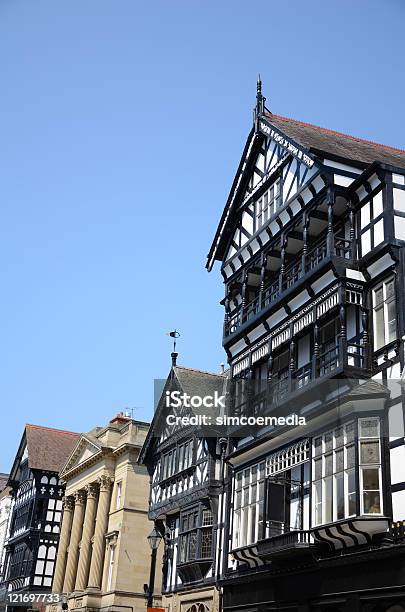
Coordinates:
248	518
269	202
195	533
372	465
370	206
384	306
355	468
172	461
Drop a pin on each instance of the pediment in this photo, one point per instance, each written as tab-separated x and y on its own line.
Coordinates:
83	451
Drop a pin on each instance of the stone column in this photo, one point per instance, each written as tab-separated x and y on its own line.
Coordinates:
68	507
97	557
85	544
73	551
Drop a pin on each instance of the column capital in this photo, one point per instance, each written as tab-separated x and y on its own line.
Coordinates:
80	497
105	482
68	503
91	490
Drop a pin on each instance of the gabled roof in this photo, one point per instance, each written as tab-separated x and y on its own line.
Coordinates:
198	382
190	381
47	448
317	139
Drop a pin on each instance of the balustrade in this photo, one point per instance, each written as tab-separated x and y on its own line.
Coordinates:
285	279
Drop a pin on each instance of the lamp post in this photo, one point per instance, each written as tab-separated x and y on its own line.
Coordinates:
154	540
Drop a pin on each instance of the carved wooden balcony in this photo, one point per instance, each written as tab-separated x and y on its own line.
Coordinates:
285	280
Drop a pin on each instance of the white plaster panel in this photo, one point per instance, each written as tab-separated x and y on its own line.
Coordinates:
299	300
277	317
236	348
322	282
380	265
399	199
396	421
398	505
399	179
354	274
397	463
256	333
344	181
399	224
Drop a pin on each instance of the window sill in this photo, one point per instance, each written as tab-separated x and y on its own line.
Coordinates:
194	570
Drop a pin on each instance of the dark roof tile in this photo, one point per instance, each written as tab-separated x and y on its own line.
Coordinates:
49	449
335	143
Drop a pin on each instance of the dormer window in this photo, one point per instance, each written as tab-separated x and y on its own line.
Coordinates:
267	204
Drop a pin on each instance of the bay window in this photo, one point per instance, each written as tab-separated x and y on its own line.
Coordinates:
248	504
335	468
196	534
333	475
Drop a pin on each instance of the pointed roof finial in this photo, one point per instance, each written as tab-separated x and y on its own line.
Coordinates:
259	85
260	99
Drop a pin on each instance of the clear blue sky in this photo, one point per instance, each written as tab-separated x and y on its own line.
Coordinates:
121	126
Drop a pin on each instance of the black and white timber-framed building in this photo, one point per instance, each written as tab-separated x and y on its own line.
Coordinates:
186	464
311	245
37	494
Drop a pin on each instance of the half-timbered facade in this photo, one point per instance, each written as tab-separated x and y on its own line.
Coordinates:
185	463
311	244
5	510
37	492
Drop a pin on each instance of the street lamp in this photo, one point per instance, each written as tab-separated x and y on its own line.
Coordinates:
154	540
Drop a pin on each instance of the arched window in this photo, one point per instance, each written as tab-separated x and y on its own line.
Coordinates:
199	607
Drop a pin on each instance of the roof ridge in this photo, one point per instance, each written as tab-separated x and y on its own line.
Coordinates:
198	370
64	431
329	131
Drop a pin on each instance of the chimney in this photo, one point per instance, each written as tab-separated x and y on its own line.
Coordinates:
120	417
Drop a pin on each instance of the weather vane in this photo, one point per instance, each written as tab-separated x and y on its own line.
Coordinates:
173	334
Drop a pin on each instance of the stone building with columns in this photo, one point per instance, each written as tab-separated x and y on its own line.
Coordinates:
103	558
